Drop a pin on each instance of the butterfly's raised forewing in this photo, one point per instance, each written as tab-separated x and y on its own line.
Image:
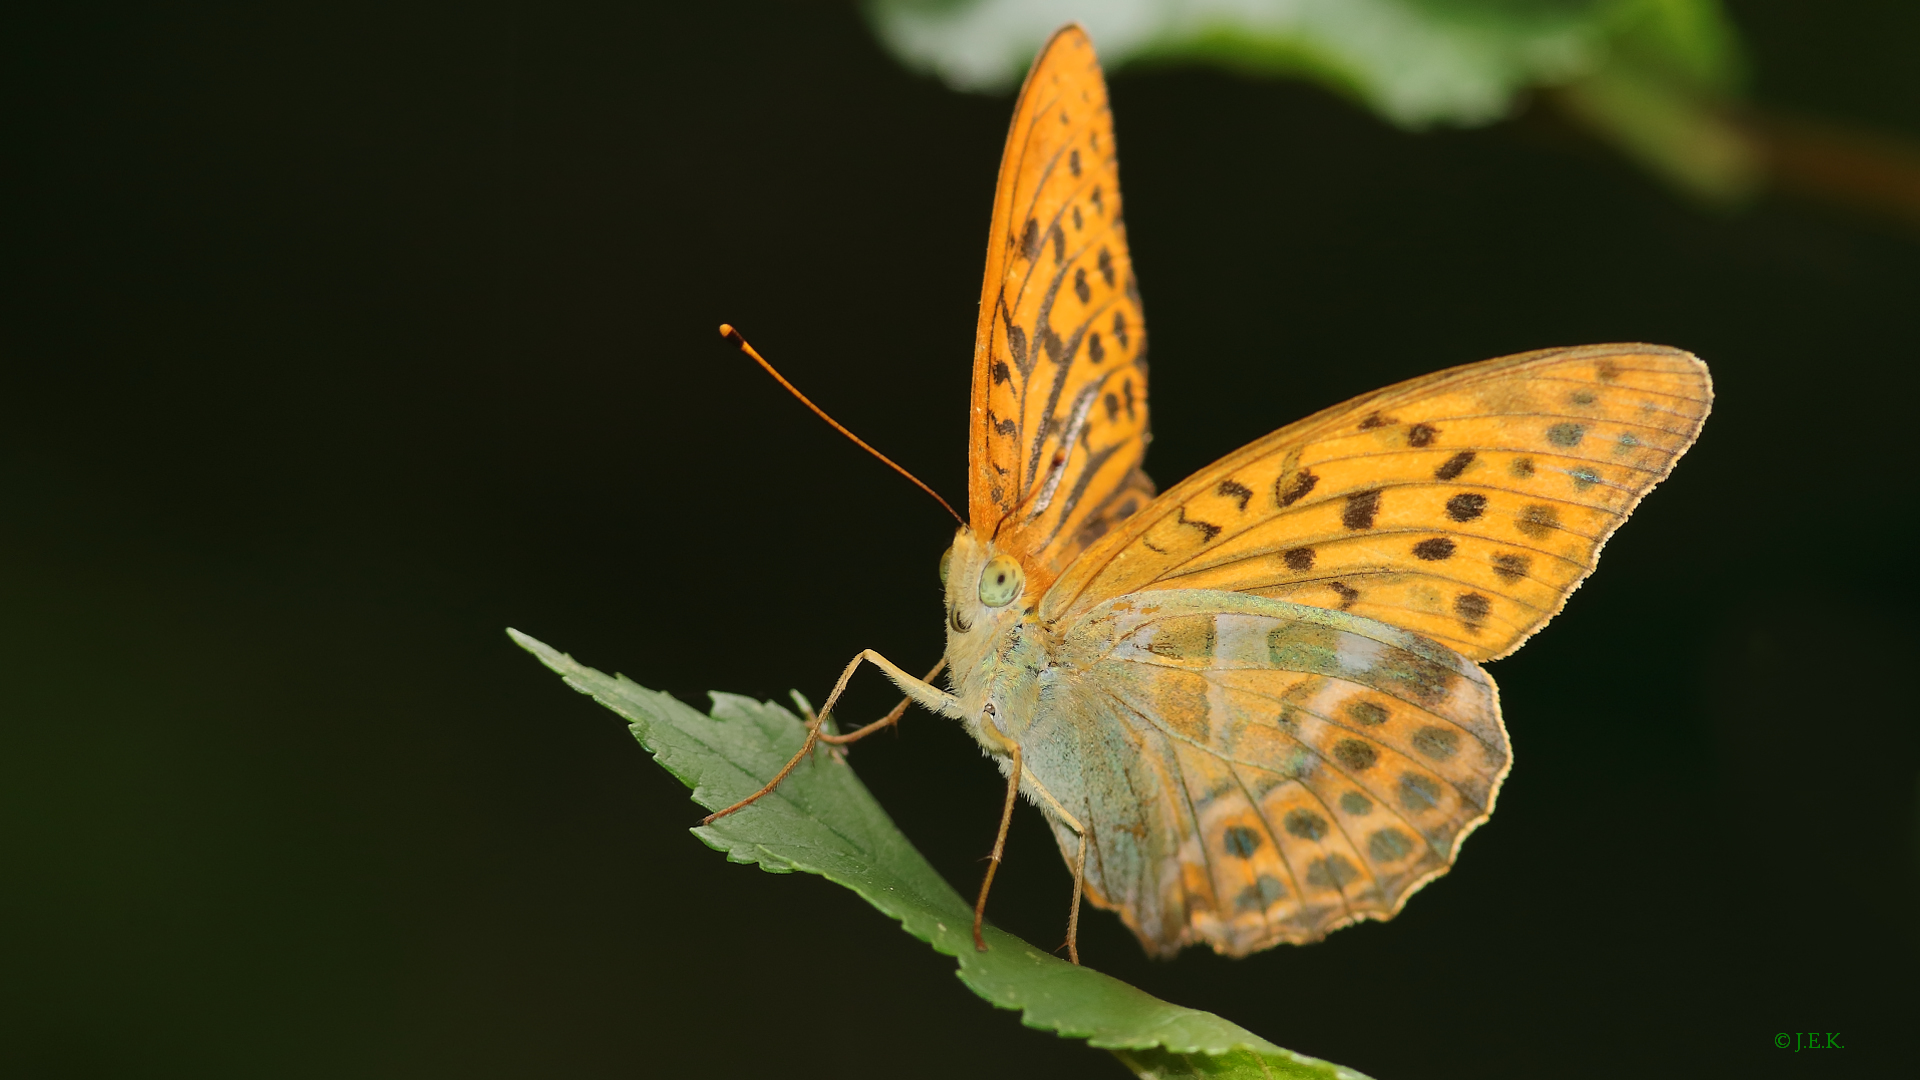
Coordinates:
1463	506
1253	771
1059	420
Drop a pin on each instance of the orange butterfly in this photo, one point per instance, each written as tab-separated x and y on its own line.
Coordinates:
1250	707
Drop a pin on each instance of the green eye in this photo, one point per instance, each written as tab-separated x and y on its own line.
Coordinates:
946	563
1000	581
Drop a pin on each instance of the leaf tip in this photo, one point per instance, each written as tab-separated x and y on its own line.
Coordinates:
532	644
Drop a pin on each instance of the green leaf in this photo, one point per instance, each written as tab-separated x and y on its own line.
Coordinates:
1651	76
1414	62
822	820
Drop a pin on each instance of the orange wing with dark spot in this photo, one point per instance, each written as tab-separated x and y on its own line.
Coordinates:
1059	365
1463	506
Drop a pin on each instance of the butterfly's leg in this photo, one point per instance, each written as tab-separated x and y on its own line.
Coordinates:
889	719
917	690
1006	821
813	736
1073	913
935	699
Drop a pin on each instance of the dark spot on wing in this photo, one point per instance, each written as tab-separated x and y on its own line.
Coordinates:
1126	395
1418	793
1300	558
1537	520
1581	397
1113	407
1511	567
1583	477
1234	489
1521	467
1454	465
1437	549
1305	824
1240	841
1472	608
1078	223
1425	679
1095	199
1208	529
1422	435
1332	872
1059	245
1356	804
1080	287
1105	265
1360	510
1096	349
1466	506
1373	420
1073	159
1290	490
1366	713
1000	372
1265	891
1348	594
1355	754
1030	240
1120	329
1017	346
1051	344
1438	743
1389	845
1566	434
1607	370
1004	427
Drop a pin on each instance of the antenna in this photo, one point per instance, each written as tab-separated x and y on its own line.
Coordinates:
727	331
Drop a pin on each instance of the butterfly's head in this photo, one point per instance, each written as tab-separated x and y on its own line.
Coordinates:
984	585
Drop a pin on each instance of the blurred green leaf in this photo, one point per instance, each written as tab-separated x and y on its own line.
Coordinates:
1651	76
822	820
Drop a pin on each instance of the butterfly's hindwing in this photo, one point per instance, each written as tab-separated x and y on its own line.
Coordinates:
1299	769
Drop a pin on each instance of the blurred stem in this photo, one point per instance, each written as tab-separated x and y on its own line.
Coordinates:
1725	155
1862	169
1676	135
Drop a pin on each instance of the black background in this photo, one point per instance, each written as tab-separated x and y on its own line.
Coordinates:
339	337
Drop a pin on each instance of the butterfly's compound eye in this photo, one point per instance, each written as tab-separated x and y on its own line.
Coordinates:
1000	581
946	564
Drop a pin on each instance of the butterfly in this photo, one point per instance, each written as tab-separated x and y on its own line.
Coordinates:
1251	707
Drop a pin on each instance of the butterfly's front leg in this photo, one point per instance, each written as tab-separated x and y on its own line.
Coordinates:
916	690
893	716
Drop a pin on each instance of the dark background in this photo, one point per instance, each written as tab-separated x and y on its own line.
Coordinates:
339	337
